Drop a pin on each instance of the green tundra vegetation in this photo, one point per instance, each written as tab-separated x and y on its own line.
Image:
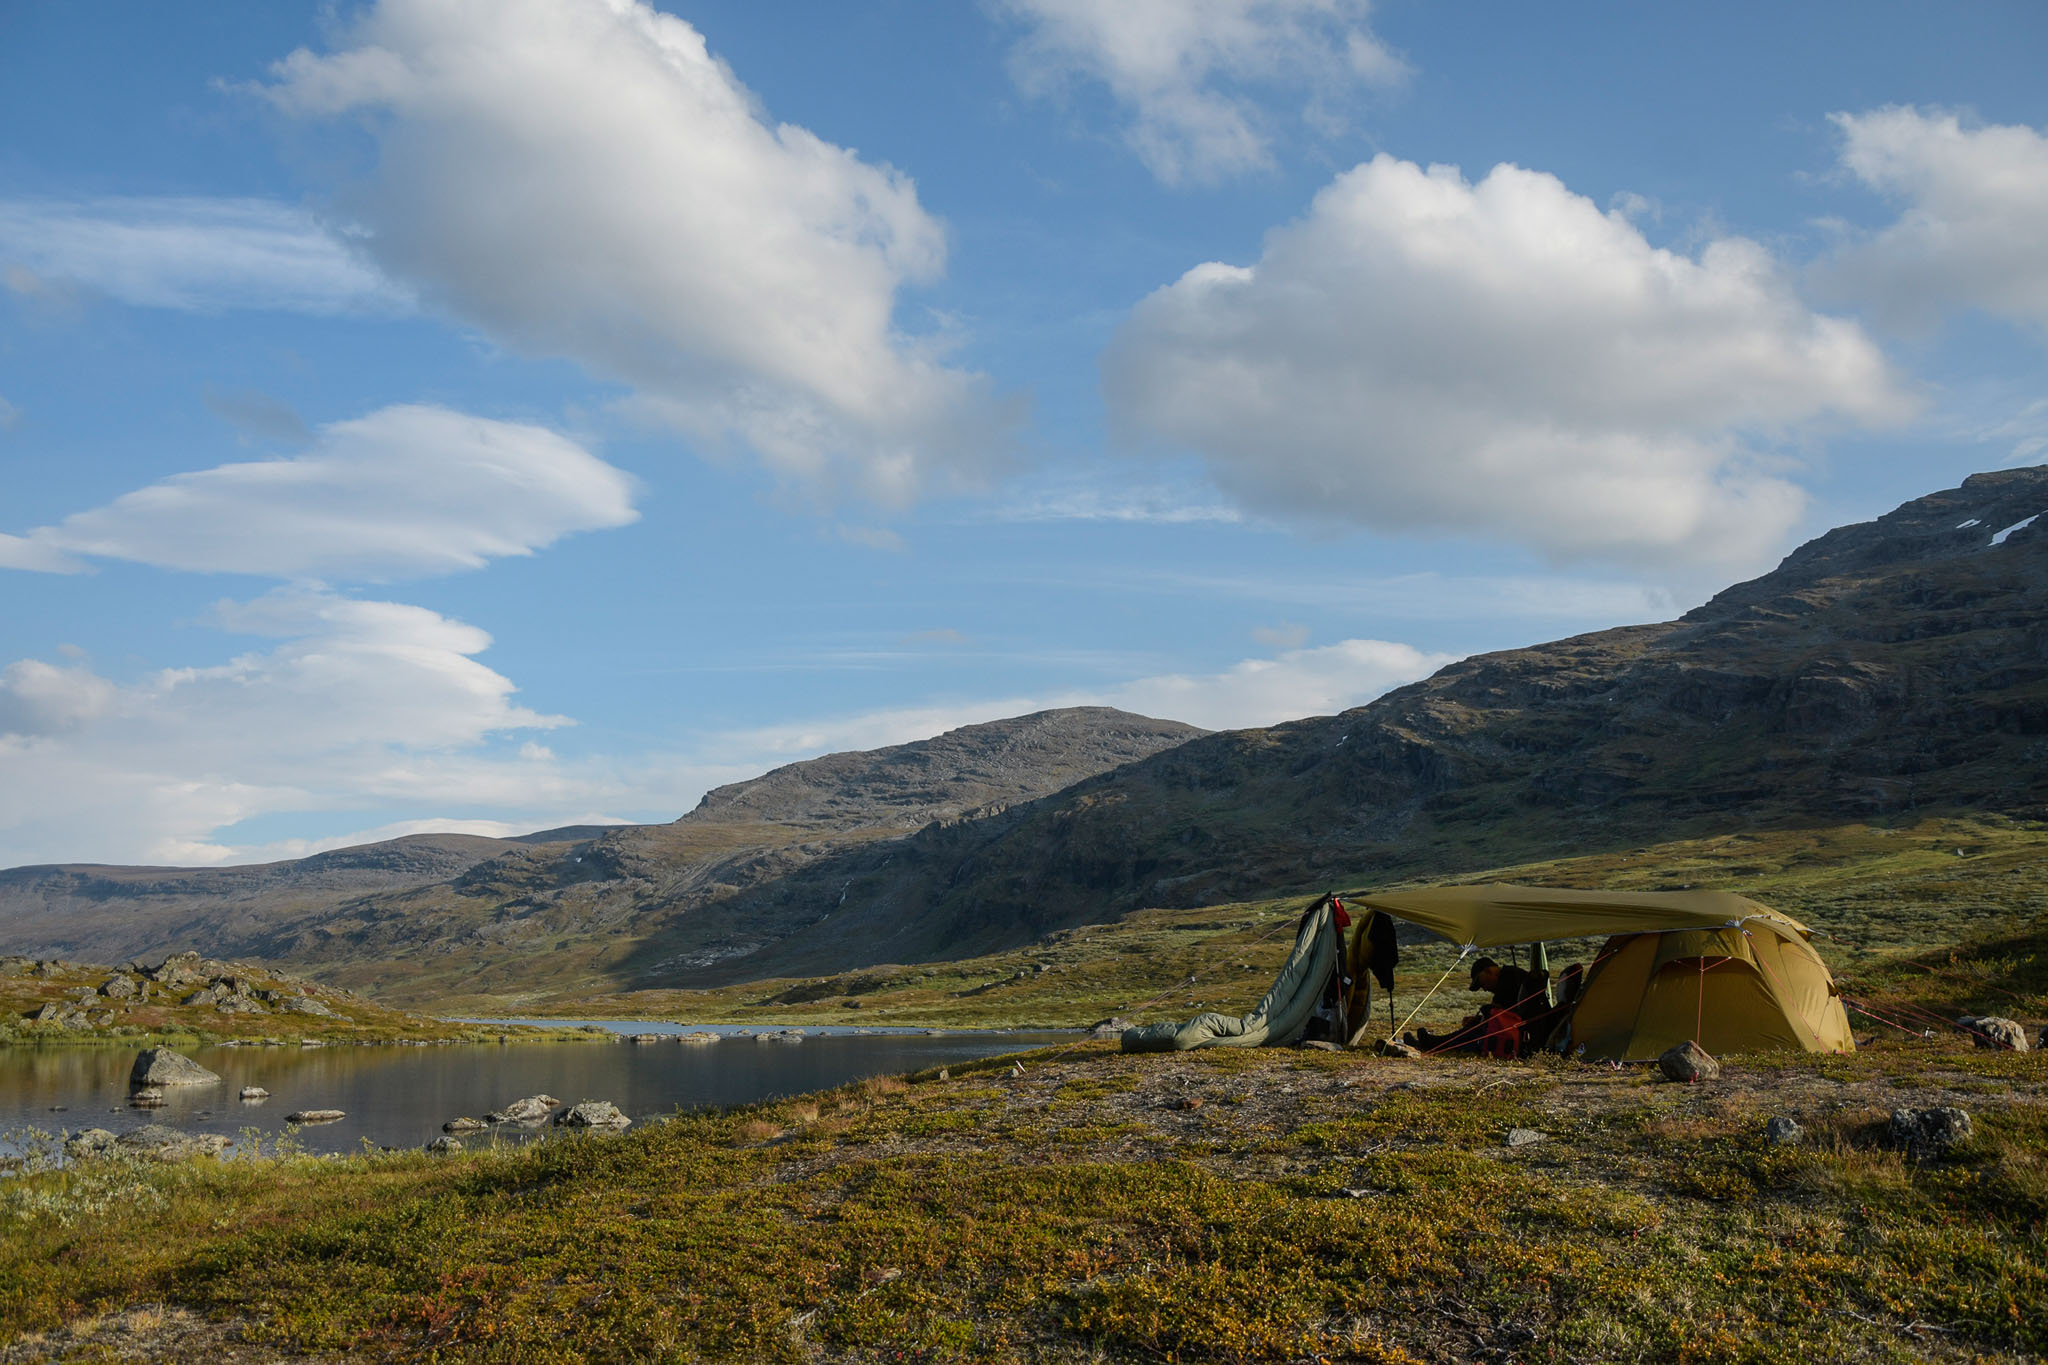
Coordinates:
1075	1204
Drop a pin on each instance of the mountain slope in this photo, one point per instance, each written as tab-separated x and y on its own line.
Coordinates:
1882	668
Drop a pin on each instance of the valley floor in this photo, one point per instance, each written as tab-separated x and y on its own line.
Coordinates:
1081	1205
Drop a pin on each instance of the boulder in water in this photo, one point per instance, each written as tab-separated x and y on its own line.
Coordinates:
161	1066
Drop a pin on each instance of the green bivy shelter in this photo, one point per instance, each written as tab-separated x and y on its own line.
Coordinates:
1719	969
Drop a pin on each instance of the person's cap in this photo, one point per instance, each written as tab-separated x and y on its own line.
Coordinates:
1481	965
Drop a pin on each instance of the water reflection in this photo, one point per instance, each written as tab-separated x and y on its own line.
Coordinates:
400	1096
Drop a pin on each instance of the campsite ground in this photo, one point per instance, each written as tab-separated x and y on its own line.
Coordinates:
1263	1205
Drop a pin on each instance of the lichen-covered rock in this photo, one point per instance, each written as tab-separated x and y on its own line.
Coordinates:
532	1109
1995	1031
1782	1132
148	1097
205	995
1689	1063
1524	1137
305	1004
1930	1132
118	987
592	1114
464	1126
315	1115
255	1092
170	1144
161	1066
443	1146
88	1143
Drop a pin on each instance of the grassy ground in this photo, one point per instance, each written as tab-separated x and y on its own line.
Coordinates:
1880	893
1230	1206
1264	1205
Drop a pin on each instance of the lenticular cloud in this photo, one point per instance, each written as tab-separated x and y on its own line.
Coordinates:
403	492
583	178
1420	353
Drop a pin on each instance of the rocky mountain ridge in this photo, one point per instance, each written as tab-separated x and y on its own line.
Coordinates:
493	894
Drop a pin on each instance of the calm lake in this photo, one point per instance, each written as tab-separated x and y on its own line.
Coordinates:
400	1096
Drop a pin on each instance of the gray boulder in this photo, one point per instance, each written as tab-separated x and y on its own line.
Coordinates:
161	1066
443	1146
1930	1132
255	1092
205	995
148	1097
118	987
592	1114
464	1126
1995	1031
169	1144
1689	1063
315	1115
532	1109
306	1004
1782	1132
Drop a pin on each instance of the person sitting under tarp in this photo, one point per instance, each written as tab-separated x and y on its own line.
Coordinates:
1520	996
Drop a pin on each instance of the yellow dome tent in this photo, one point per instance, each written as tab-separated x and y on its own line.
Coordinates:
1711	966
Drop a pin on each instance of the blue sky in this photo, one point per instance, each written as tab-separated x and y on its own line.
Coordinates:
448	414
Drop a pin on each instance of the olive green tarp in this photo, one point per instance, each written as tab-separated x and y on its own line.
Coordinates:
1495	915
1278	1019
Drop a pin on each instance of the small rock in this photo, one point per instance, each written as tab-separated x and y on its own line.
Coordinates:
698	1038
1108	1028
161	1066
1321	1045
315	1115
1689	1063
255	1092
464	1126
645	1037
945	1074
1782	1132
442	1146
1930	1132
1394	1047
1522	1137
149	1097
1995	1031
592	1114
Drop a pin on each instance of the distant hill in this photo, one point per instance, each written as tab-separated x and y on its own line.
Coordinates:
461	901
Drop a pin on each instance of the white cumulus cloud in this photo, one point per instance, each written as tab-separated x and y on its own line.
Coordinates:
1196	75
1974	229
1424	354
583	178
194	254
404	491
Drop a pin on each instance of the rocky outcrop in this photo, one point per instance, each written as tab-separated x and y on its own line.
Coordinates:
532	1109
160	1066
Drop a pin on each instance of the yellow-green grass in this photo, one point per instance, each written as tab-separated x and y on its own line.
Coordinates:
1234	1206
